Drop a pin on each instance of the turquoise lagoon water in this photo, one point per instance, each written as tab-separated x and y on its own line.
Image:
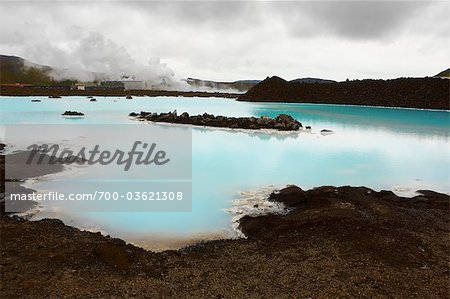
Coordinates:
383	148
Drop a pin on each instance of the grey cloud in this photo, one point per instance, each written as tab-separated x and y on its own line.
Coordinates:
226	39
218	15
347	19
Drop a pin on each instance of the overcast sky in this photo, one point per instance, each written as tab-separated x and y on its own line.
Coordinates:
233	40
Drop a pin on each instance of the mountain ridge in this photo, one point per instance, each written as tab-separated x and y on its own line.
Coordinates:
443	74
425	93
14	69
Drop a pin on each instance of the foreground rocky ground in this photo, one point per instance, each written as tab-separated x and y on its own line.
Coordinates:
336	242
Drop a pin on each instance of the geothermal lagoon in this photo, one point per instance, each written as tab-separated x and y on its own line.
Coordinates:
402	150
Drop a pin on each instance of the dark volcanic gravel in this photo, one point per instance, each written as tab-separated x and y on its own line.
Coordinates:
336	242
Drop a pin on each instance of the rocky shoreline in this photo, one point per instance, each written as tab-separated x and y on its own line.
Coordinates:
57	93
282	122
334	242
19	170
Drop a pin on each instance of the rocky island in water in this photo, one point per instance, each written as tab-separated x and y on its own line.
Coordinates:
282	122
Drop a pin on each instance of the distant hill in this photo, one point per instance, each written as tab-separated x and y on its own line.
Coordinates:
248	81
428	93
14	69
313	80
240	86
443	74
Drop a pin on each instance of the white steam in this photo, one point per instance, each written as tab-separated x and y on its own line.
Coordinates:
94	58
